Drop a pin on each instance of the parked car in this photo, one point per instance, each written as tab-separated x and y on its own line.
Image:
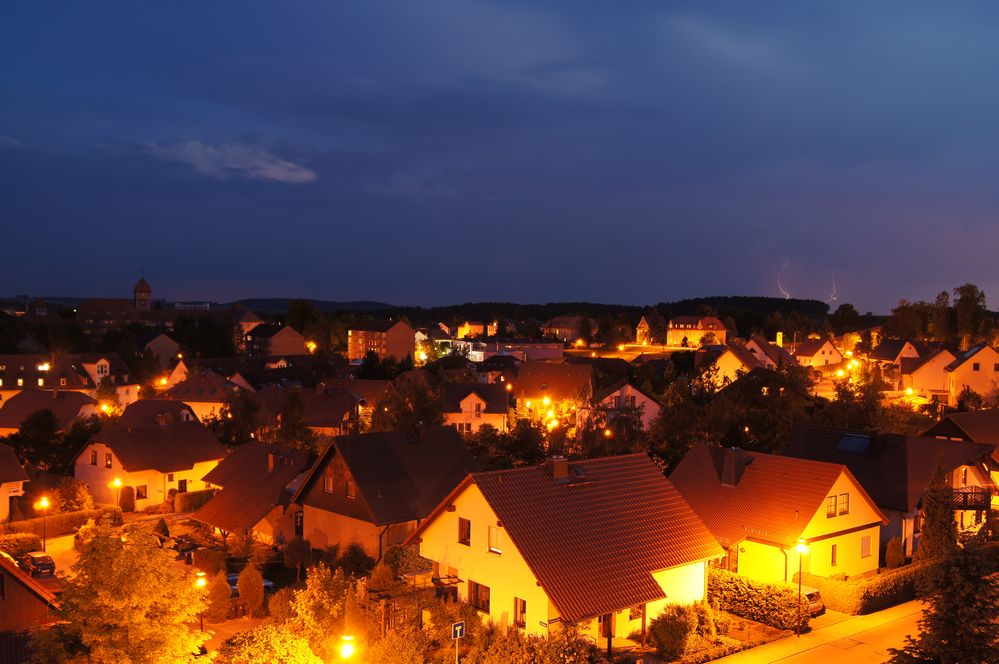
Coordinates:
37	562
816	607
184	546
233	580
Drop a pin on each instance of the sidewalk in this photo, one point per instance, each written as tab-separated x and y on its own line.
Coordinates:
859	639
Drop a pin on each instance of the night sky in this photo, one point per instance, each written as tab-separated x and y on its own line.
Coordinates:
426	152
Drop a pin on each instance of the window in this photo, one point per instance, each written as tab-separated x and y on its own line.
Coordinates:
41	382
519	612
464	532
93	457
830	507
478	409
62	382
844	503
169	477
328	481
495	540
833	561
865	546
20	382
102	369
182	486
976	366
141	492
964	476
478	596
635	613
107	459
351	489
995	367
917	523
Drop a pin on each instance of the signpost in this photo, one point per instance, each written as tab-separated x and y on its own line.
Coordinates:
457	632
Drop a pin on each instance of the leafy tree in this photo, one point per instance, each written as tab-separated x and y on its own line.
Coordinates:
958	624
297	554
37	441
240	421
382	577
973	321
355	562
251	589
939	536
845	318
413	403
404	645
279	605
293	430
107	396
266	643
124	602
894	554
219	598
941	325
319	606
72	495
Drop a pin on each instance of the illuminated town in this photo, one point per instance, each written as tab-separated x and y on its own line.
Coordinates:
498	333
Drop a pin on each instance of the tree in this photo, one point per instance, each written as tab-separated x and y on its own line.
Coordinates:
293	430
107	396
403	645
319	606
958	624
124	602
266	643
240	420
894	554
413	403
939	536
251	589
219	598
72	495
941	327
845	318
297	554
970	313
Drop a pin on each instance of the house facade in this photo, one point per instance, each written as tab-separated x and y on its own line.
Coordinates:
978	370
625	397
12	479
24	602
387	339
468	406
269	340
817	353
694	331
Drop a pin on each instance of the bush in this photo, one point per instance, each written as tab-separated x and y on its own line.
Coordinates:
210	561
355	562
251	589
169	503
279	605
72	495
219	599
191	500
726	647
162	528
894	555
63	524
858	596
18	544
382	578
126	499
297	554
672	629
768	603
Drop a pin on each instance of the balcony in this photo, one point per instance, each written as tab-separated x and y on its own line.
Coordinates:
971	498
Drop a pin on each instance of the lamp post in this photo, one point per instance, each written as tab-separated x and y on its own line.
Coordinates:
802	550
116	485
200	582
43	506
347	647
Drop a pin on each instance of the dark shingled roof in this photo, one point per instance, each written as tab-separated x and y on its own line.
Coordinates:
594	541
64	405
10	466
557	381
494	394
809	347
967	355
371	391
252	484
166	448
896	469
980	426
740	494
204	386
402	476
325	407
374	325
154	411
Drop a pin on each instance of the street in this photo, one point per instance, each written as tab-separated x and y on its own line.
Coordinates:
859	640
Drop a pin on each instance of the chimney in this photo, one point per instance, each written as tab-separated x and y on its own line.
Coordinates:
780	340
558	466
733	466
55	393
270	462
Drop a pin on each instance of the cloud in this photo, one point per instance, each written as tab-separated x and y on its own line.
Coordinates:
729	46
9	142
232	160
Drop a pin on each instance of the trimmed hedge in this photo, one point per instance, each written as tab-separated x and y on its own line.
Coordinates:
866	595
191	500
63	523
727	647
767	603
18	544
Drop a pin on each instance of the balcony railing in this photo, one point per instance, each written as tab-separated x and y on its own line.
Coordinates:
971	498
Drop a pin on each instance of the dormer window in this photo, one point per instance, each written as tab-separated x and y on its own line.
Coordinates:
351	489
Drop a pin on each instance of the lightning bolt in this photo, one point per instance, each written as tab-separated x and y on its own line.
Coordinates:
832	296
787	296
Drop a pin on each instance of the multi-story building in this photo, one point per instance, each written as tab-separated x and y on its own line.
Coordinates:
385	338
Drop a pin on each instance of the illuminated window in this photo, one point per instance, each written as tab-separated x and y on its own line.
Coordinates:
865	546
464	532
93	457
20	382
830	507
844	503
478	596
495	540
964	476
107	459
41	382
833	559
635	613
519	612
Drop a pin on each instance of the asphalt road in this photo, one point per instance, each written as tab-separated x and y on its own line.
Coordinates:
857	640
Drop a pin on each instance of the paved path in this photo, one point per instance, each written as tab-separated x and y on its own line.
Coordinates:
857	640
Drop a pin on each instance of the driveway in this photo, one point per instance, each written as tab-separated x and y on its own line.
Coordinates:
857	639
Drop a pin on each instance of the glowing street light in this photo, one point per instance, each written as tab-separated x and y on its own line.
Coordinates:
311	346
42	505
802	549
200	582
608	433
348	648
163	381
116	485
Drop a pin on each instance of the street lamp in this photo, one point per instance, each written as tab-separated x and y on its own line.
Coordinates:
347	646
43	506
116	485
802	550
200	582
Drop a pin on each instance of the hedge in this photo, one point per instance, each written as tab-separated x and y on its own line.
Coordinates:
191	500
768	603
728	646
866	595
18	544
62	523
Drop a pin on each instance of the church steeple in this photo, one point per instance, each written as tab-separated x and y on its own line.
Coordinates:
142	295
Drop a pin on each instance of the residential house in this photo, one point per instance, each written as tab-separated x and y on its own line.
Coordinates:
161	346
467	406
927	375
65	406
760	506
895	471
374	489
695	331
150	460
568	329
236	370
245	321
770	355
258	482
476	328
205	392
623	397
12	479
603	544
977	369
891	352
817	353
82	372
385	338
270	340
156	411
524	350
979	426
24	603
553	393
727	363
498	369
328	411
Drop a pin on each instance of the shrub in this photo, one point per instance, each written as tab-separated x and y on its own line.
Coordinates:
894	555
191	500
297	554
726	647
768	603
72	495
240	546
209	561
64	523
355	562
251	589
858	596
162	528
672	629
382	578
18	544
279	605
219	599
126	499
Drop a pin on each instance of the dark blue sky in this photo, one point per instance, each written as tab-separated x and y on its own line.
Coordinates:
436	152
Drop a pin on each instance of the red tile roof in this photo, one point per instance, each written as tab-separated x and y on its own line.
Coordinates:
593	542
166	448
10	466
66	406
